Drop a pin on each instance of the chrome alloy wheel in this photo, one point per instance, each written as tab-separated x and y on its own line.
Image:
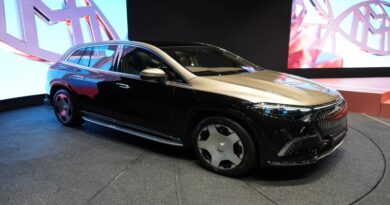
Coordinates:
220	146
63	107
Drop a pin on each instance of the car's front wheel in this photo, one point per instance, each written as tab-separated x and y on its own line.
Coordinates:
224	146
65	108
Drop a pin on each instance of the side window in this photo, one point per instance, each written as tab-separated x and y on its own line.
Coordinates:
86	57
99	57
102	57
134	60
172	75
75	57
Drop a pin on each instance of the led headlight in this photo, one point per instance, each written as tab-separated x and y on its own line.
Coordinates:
288	111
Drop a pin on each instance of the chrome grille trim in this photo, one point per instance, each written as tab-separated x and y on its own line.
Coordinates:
324	106
324	113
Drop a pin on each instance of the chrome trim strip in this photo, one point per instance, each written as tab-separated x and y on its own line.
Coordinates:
133	132
125	124
122	85
287	146
284	151
75	48
135	77
337	102
332	150
177	84
118	56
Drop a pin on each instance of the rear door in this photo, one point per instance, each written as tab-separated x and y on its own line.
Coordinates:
91	78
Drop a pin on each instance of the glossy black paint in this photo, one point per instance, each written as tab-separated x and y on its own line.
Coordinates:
170	111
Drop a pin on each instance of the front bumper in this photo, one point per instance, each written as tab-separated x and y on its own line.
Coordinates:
308	151
286	141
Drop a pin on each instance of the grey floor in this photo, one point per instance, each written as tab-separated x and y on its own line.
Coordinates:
42	162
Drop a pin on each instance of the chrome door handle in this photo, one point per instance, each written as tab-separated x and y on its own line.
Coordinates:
77	77
121	85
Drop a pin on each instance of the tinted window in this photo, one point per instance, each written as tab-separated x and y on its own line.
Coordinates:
134	60
100	57
75	57
85	58
172	75
209	61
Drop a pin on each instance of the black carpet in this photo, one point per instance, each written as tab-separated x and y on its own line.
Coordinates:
43	162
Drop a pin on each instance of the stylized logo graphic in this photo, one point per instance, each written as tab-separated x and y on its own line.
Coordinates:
70	14
319	29
368	18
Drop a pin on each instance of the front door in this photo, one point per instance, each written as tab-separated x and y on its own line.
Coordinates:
145	105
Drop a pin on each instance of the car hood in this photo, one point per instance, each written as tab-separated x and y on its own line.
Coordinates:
273	87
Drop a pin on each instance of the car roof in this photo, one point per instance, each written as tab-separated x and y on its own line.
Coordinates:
161	44
158	44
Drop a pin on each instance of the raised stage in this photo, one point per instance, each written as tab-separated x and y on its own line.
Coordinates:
364	95
43	162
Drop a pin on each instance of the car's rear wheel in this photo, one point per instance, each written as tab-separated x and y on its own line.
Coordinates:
65	108
224	146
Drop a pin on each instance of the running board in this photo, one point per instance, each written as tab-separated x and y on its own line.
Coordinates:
133	132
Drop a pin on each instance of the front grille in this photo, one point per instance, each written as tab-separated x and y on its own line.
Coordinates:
332	118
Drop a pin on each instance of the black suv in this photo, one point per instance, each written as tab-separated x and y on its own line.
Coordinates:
231	113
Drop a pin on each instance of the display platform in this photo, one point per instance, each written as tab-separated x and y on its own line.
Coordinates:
43	162
364	95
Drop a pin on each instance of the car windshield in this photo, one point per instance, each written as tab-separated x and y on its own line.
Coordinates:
209	61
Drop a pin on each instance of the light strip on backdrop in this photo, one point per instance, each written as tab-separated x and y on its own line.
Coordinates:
34	33
339	34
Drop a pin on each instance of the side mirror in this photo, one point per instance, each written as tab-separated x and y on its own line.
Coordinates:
154	75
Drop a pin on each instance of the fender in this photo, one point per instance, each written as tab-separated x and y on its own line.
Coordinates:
61	83
234	112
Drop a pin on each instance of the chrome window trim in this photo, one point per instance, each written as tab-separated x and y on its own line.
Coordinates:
126	75
117	61
187	75
117	56
76	48
101	71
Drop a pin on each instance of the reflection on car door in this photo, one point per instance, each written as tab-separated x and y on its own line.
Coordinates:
93	86
142	103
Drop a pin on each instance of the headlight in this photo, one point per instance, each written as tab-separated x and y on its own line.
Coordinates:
287	111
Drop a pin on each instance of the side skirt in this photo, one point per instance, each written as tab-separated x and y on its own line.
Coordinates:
89	117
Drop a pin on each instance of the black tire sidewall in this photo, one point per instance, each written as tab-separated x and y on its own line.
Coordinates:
250	154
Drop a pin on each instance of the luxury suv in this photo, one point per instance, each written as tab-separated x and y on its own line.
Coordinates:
231	113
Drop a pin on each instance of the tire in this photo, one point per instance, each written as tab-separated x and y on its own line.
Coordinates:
66	108
224	146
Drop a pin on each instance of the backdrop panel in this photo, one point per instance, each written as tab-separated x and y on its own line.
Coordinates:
34	33
260	32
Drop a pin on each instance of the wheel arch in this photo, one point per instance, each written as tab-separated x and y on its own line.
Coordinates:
57	86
